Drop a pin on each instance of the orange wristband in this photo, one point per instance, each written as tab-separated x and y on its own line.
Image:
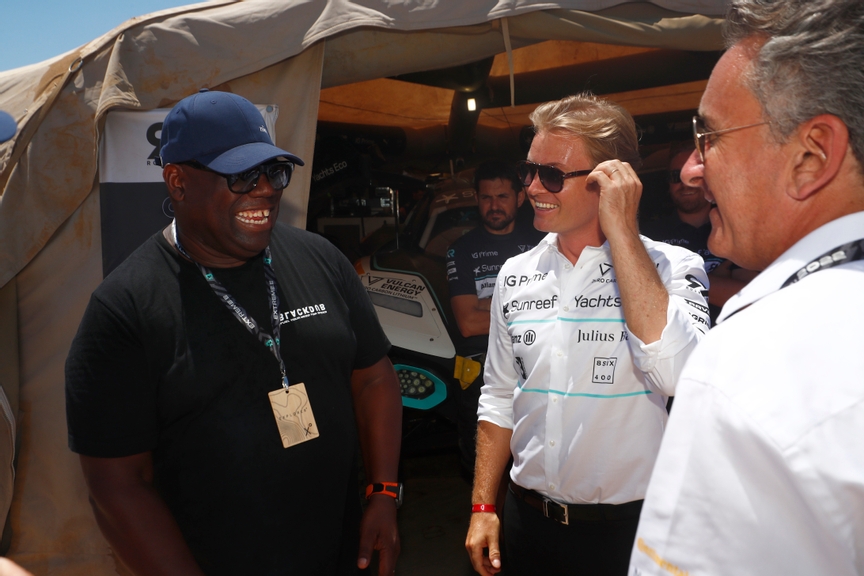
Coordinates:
482	508
389	488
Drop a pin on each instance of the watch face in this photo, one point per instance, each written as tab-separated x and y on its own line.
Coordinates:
399	495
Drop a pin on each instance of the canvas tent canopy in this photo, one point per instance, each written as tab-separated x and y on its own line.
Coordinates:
279	52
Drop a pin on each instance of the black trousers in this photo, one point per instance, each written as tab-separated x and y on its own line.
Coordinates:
534	545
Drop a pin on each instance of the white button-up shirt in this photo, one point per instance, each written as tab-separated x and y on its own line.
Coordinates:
585	398
761	471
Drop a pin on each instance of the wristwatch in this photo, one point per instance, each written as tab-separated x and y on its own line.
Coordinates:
393	489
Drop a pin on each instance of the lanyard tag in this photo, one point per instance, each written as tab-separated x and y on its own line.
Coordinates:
293	414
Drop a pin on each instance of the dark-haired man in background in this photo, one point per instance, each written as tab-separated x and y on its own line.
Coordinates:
473	262
689	227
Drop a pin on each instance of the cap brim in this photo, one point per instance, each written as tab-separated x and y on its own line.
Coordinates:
246	157
8	126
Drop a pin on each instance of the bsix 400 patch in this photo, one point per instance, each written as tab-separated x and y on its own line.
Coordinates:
604	370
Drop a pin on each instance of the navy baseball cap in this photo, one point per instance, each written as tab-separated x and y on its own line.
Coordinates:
8	126
220	130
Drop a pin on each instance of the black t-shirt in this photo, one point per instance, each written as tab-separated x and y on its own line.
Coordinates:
671	230
159	364
473	262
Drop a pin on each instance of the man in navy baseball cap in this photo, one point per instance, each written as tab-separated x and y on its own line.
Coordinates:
8	126
222	131
224	374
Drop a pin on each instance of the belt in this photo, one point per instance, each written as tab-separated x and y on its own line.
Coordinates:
567	513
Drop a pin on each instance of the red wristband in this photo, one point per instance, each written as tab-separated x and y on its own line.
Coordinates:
482	508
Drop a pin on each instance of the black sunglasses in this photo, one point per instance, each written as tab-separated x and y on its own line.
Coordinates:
551	178
278	173
674	176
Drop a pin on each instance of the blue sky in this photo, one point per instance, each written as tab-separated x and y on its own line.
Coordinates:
35	30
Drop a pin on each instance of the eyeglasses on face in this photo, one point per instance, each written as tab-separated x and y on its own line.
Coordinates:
703	138
674	176
278	174
551	178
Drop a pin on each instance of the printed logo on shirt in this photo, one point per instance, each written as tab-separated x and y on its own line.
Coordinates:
520	363
594	336
598	302
484	287
451	253
666	565
487	268
604	370
695	285
698	306
525	305
484	254
301	313
605	267
525	247
524	280
528	338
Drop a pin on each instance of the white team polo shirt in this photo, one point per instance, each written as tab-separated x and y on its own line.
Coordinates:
585	398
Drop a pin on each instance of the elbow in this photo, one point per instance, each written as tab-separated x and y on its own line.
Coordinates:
467	331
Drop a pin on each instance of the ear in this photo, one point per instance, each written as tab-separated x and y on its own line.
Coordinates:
520	197
175	180
821	144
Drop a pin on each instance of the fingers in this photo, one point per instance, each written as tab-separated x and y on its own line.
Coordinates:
387	559
482	534
378	532
613	171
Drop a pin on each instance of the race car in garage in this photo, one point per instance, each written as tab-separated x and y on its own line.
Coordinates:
407	283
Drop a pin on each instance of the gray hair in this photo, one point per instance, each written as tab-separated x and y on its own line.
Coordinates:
812	62
607	130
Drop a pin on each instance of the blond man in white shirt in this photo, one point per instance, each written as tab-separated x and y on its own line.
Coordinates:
588	333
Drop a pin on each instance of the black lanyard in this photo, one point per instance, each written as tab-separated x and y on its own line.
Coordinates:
840	255
271	342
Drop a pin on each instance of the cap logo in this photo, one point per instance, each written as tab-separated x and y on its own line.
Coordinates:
262	129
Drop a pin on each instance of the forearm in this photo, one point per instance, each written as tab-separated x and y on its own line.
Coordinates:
644	298
472	314
137	524
378	410
726	282
493	453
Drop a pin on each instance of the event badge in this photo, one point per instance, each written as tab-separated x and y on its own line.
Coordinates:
293	414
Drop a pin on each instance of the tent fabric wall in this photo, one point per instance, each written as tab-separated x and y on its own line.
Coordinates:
270	51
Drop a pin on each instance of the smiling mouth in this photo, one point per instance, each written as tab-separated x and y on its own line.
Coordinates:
254	216
544	205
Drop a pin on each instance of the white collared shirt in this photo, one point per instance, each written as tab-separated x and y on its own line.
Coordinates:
761	471
585	398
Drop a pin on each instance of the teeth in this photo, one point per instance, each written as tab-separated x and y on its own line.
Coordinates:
253	216
544	205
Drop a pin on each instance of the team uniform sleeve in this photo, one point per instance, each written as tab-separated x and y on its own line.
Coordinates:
460	277
499	376
687	322
110	396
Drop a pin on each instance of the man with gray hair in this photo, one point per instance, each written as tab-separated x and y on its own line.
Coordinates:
588	333
761	470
